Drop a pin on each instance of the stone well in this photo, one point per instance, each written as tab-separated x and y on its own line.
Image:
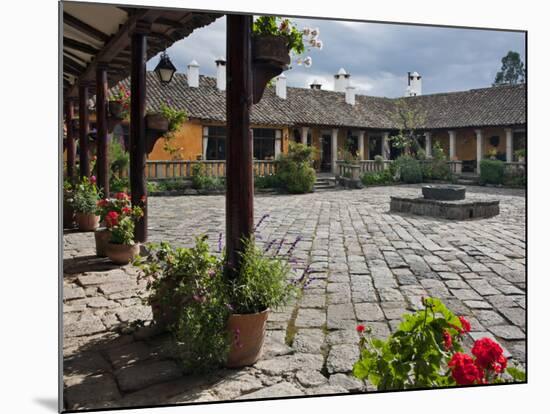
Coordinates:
446	202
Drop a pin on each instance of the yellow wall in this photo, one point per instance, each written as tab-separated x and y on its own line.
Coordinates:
188	137
466	145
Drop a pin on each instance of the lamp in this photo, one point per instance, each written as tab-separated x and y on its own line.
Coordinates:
165	69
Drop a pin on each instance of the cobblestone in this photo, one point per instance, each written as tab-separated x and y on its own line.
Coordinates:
369	267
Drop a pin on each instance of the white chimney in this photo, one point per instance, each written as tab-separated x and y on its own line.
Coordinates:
350	95
341	80
220	74
280	86
193	74
414	84
315	85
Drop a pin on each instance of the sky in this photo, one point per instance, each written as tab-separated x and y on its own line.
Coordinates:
377	55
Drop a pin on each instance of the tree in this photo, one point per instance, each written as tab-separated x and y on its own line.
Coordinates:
409	119
512	70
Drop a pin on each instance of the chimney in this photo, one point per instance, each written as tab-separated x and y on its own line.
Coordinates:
280	86
350	95
341	80
414	84
315	85
193	74
220	74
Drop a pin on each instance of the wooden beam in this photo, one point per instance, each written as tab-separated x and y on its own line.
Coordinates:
138	154
101	121
69	117
85	28
239	206
76	57
84	129
72	63
80	46
70	70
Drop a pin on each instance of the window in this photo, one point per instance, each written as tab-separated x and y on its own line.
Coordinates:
494	141
264	143
352	143
216	143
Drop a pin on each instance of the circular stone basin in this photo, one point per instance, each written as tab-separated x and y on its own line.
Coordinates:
444	192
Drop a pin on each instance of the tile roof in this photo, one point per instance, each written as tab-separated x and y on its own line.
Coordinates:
502	105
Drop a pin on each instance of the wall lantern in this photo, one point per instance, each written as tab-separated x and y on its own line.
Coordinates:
165	69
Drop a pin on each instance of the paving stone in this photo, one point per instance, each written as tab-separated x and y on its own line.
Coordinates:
311	378
309	341
85	324
128	354
283	389
135	313
274	344
235	386
310	318
73	292
466	294
290	363
369	312
515	315
346	381
341	358
135	377
82	392
489	317
337	314
507	332
326	390
478	304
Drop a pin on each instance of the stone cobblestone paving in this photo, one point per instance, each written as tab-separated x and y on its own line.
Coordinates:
368	266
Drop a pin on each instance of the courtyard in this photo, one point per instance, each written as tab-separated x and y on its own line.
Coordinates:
366	265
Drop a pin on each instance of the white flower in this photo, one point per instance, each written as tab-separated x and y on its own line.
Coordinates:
315	32
313	42
299	61
306	31
319	44
307	62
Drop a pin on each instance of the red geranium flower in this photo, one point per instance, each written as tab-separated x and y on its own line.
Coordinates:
466	327
464	370
111	219
360	328
447	340
122	196
489	354
102	203
126	210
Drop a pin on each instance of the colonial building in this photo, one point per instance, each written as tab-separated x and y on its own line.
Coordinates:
468	125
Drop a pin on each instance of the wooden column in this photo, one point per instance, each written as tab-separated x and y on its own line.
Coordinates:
71	148
138	155
84	129
239	200
101	114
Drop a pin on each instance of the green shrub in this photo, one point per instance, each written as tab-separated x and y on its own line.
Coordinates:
118	185
436	170
407	169
119	159
267	181
515	178
377	178
491	172
294	169
201	181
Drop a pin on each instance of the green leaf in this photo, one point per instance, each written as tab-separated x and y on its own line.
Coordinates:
517	374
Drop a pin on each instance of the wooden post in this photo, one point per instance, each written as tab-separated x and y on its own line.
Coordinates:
101	114
239	200
138	155
84	129
69	121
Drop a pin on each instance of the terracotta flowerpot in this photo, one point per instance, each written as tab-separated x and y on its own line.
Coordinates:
102	237
122	254
68	216
247	332
87	221
156	122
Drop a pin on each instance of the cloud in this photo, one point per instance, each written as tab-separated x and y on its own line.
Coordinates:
378	55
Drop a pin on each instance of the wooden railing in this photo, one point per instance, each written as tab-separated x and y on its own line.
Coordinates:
158	170
366	166
373	165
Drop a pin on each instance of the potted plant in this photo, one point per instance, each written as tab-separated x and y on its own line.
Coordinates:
261	285
273	39
122	248
84	203
520	154
492	153
119	103
156	121
68	211
102	235
189	297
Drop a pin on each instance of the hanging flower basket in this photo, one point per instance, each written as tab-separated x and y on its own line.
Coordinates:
116	109
270	57
156	122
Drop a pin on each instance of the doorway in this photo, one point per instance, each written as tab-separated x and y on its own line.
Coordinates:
326	152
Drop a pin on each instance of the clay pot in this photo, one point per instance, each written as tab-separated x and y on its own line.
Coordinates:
247	332
156	122
68	216
122	254
102	237
87	221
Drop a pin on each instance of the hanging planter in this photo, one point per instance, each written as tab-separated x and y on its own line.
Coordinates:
116	110
270	57
156	122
